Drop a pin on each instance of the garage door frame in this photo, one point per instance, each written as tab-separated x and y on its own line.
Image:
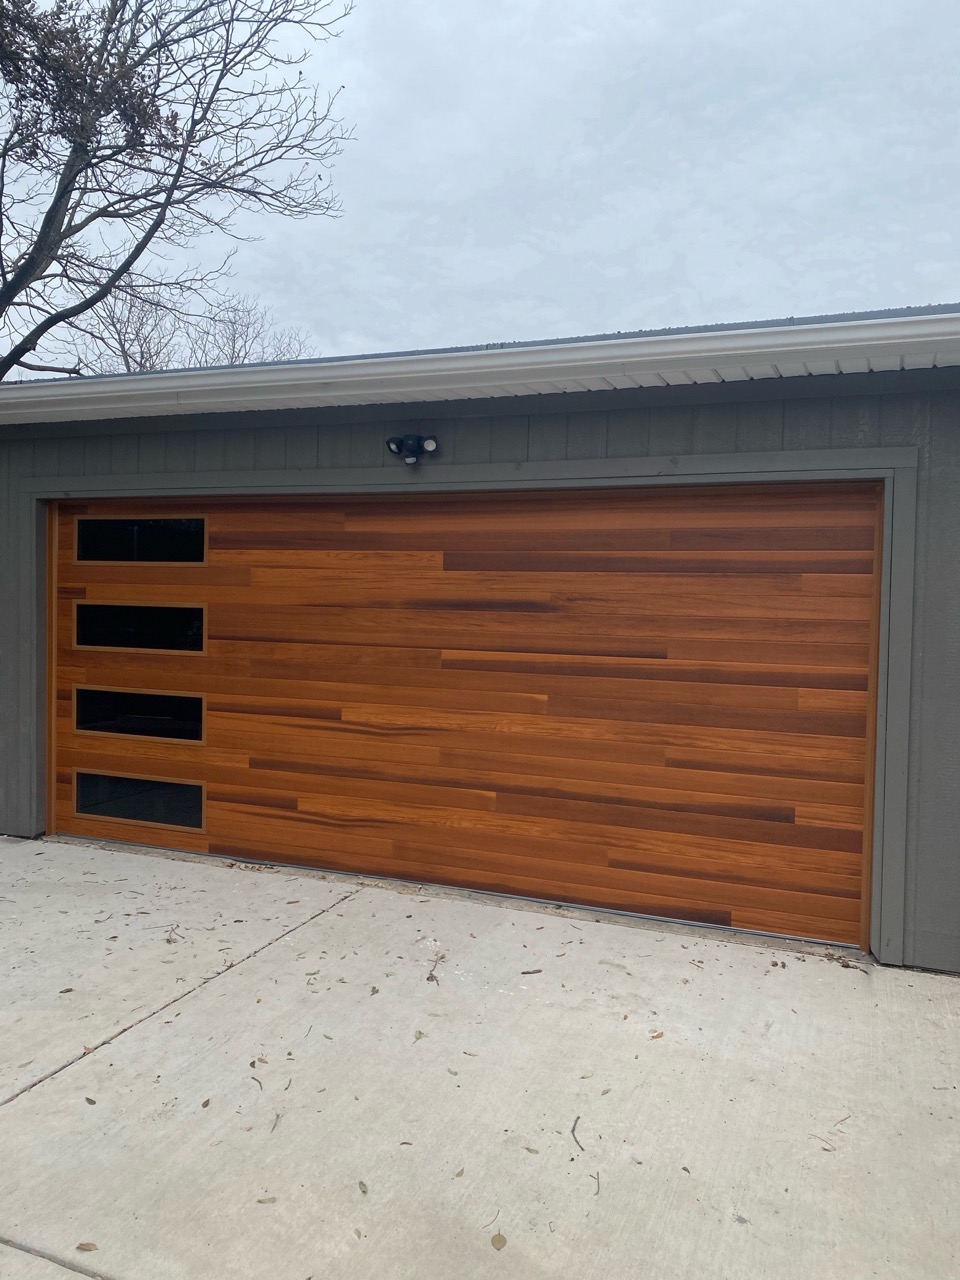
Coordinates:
896	468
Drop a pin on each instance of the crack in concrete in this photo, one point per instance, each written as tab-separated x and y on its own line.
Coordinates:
57	1261
170	1003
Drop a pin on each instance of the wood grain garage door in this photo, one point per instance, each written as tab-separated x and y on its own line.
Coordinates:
651	700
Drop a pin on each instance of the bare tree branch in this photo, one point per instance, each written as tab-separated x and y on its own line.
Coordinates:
132	126
131	333
76	371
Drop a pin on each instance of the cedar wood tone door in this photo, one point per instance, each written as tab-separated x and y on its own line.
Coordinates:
657	700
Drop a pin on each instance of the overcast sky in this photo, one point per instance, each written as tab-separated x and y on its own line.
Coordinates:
542	168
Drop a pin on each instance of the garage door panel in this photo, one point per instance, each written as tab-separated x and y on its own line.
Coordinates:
552	511
419	686
829	584
688	596
666	853
604	666
667	562
228	705
852	654
135	832
283	698
97	579
560	839
393	683
695	592
640	600
452	628
845	932
308	833
652	700
341	856
583	779
636	880
492	881
851	657
450	786
154	757
590	772
227	717
563	819
406	745
645	799
823	767
619	522
854	537
791	746
499	539
817	723
412	749
304	660
134	667
846	700
562	889
686	821
342	786
834	815
239	527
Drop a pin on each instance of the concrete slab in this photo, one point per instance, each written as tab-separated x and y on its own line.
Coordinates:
92	939
406	1083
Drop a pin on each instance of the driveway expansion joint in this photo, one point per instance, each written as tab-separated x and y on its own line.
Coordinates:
75	1267
212	977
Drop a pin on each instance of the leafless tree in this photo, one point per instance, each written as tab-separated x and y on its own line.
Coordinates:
128	128
134	334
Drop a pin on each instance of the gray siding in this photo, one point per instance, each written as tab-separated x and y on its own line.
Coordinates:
22	657
932	908
515	442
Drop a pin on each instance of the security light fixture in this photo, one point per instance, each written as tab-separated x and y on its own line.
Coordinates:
412	447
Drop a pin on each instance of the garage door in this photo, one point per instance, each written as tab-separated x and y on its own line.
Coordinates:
658	701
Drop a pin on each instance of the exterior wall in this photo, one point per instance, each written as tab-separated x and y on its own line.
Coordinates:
595	438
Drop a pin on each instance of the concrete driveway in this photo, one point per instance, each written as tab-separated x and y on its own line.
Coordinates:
217	1071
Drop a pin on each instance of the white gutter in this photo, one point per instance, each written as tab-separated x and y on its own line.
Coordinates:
735	354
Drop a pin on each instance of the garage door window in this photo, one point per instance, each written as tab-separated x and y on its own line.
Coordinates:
170	541
139	626
153	715
173	804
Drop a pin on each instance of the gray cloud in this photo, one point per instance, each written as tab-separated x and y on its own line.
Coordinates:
542	168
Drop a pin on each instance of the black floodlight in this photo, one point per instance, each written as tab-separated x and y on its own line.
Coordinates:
412	447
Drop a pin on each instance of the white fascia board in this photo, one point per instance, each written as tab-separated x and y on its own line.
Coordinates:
916	341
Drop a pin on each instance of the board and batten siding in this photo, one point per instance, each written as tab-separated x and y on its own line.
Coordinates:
530	441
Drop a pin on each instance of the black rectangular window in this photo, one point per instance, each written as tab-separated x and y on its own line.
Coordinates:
173	539
155	715
140	626
175	804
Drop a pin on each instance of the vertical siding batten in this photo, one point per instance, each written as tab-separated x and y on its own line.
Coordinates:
715	428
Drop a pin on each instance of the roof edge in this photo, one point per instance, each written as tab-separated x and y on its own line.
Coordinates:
920	337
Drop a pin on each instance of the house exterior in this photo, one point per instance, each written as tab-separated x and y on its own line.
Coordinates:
665	623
